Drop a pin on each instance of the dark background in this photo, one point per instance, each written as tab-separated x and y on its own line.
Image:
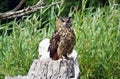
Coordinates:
6	5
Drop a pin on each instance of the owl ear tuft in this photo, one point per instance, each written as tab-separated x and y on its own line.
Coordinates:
61	18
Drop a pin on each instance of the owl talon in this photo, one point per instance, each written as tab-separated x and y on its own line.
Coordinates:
64	57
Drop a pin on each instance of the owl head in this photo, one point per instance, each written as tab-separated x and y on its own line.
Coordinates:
63	22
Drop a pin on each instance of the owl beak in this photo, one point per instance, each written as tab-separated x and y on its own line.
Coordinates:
68	25
64	23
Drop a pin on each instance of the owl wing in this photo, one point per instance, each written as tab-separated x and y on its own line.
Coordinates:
67	42
72	42
54	42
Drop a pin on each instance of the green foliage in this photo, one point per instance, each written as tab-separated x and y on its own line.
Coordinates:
98	43
97	33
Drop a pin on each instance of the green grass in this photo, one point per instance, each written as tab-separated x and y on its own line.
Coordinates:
98	44
98	41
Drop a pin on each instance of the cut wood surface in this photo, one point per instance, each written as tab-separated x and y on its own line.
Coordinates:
46	68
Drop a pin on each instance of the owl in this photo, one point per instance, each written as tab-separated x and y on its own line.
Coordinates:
63	39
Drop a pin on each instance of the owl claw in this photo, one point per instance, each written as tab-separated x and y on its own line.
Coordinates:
64	57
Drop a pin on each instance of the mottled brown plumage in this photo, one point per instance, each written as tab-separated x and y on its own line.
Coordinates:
63	39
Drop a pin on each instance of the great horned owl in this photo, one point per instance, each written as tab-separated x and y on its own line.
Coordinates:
63	39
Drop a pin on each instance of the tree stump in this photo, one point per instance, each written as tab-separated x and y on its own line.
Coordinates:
50	69
46	68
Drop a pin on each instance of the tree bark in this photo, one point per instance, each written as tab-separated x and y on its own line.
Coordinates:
49	69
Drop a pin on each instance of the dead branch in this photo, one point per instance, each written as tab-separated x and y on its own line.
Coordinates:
25	11
19	5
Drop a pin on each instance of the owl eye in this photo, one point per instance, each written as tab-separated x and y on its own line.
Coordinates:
62	19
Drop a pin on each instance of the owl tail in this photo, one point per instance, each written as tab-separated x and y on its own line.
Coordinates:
53	54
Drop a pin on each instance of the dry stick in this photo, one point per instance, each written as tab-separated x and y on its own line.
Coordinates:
28	10
19	5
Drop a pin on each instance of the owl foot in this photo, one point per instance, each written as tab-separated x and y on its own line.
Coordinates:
64	57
